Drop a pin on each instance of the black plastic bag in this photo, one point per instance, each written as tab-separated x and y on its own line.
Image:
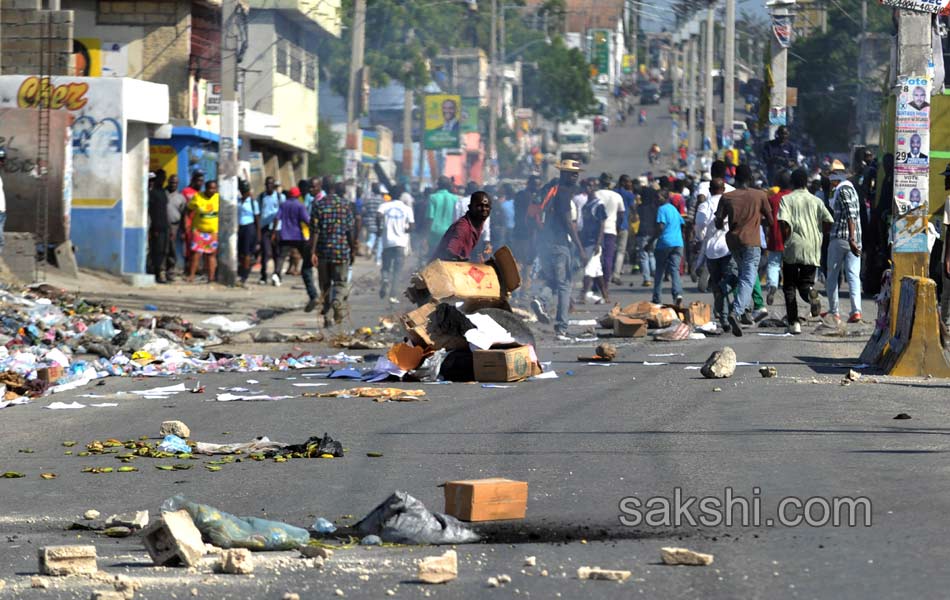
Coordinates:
401	519
312	448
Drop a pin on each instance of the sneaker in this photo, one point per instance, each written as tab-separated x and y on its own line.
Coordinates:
734	325
854	318
746	318
311	304
795	328
762	313
770	296
275	279
616	280
261	281
539	312
815	302
835	318
593	298
678	302
647	283
563	337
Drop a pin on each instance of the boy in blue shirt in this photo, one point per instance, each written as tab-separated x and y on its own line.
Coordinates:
669	249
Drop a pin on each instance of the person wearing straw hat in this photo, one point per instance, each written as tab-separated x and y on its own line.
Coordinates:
844	246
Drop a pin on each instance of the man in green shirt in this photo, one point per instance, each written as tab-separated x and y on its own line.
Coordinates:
802	217
441	211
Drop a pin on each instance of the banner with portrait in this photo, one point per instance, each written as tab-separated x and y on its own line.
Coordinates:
912	165
442	121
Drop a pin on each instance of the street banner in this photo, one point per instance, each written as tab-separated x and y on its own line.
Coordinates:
628	64
928	6
469	117
600	52
912	165
442	125
782	29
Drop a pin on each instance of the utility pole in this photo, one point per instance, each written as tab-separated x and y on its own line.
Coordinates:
635	36
709	125
231	38
729	74
691	88
493	96
355	89
781	14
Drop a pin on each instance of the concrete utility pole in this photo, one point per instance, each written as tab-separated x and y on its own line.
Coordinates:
691	90
493	96
709	121
729	74
228	144
635	36
778	102
357	47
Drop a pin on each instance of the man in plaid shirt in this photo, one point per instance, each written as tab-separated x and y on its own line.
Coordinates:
844	248
334	247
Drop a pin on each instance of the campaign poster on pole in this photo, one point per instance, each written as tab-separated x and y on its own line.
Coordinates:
912	165
442	124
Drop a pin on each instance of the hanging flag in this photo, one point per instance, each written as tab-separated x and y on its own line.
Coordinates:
782	30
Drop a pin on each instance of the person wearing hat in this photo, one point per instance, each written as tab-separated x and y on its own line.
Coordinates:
157	224
844	244
614	207
559	240
3	198
293	233
249	229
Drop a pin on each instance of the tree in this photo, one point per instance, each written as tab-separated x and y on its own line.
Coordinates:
329	157
560	87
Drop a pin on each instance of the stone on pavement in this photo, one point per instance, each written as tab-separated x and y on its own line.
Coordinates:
174	539
683	556
125	586
68	560
530	561
237	561
175	428
720	364
768	372
602	574
608	351
136	520
315	552
91	514
106	595
40	583
439	569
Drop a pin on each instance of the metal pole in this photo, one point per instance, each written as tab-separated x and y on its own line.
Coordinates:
779	73
709	121
356	85
729	74
493	96
228	146
691	95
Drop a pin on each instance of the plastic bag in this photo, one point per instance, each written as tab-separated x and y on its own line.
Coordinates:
224	530
103	329
401	519
173	443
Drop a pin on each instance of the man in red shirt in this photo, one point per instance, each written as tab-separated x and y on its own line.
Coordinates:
774	242
460	239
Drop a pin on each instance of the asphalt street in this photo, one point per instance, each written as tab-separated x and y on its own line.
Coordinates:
584	442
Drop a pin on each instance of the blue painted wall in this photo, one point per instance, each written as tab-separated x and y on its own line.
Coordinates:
97	235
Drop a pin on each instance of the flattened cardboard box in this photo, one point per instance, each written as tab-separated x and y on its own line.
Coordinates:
492	499
627	327
505	364
478	285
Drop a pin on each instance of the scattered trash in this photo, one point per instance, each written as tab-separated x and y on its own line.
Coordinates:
378	394
496	386
491	499
91	514
682	556
647	363
628	327
64	405
768	372
530	561
135	520
720	364
67	560
371	540
606	351
222	323
174	445
401	519
229	397
852	375
225	530
902	416
439	569
323	526
602	574
676	332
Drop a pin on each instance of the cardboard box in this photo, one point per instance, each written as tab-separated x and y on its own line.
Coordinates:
641	310
50	374
477	285
417	323
663	317
628	327
699	313
505	364
493	499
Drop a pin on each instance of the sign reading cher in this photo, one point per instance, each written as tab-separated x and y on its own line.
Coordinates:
38	92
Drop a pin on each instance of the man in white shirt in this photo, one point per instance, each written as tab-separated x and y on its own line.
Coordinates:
723	275
613	205
395	221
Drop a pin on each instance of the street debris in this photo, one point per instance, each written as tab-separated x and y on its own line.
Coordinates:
67	560
902	417
720	364
377	394
174	539
530	561
602	574
768	372
226	325
683	556
401	519
237	561
439	569
91	514
136	520
174	428
491	499
852	375
225	530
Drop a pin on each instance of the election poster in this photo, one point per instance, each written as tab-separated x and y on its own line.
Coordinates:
442	121
912	165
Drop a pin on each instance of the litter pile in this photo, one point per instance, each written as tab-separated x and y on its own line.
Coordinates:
52	341
667	322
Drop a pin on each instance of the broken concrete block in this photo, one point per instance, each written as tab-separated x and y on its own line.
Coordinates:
608	351
603	574
40	583
173	539
175	428
504	578
682	556
315	552
68	560
237	561
125	586
530	561
291	596
91	514
439	569
106	595
134	520
768	372
720	364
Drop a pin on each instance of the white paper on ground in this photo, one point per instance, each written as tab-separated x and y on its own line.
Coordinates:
64	406
253	381
309	384
162	391
786	334
545	375
647	363
667	354
747	364
236	398
487	332
226	325
692	368
56	355
601	364
22	400
583	322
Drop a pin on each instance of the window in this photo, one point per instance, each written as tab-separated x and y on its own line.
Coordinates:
310	75
282	57
296	63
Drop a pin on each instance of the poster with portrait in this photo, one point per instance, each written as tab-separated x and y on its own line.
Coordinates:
912	164
912	148
442	121
910	193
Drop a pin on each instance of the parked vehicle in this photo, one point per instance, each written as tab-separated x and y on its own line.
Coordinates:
576	140
650	94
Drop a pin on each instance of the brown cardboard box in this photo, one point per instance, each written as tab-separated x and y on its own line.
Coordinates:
478	285
699	313
417	323
50	374
628	327
505	364
493	499
641	310
663	317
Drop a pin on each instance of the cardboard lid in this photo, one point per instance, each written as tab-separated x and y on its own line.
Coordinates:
507	268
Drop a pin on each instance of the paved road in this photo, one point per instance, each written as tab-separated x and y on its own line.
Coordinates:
583	442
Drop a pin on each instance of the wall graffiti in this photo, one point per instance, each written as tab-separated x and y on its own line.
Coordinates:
96	138
36	92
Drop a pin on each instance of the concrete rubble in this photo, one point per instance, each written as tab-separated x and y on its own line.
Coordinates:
237	561
175	428
439	569
67	560
174	539
683	556
720	364
602	574
136	520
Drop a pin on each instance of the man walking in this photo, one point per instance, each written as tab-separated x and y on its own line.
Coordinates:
176	212
723	277
669	249
395	222
371	204
844	246
779	154
270	201
292	232
802	217
774	243
746	210
157	224
625	189
440	212
333	247
647	210
614	207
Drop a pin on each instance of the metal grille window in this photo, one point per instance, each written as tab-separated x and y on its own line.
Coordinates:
282	57
296	64
310	74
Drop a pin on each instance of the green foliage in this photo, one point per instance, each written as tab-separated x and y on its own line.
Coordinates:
824	69
329	157
560	87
